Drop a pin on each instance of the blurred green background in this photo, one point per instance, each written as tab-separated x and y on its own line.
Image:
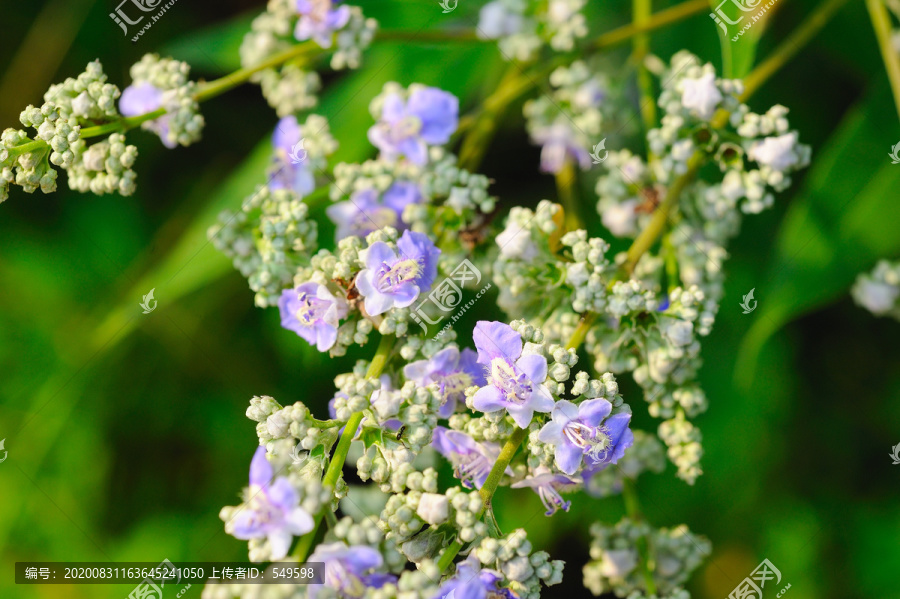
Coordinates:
126	432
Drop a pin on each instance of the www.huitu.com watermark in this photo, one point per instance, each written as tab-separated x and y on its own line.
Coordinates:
134	8
757	7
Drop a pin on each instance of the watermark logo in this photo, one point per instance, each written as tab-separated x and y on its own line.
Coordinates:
165	572
894	456
895	154
122	18
449	5
297	153
746	305
448	295
595	153
744	6
6	453
146	303
753	585
298	455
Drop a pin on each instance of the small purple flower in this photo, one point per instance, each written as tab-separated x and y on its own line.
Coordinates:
548	486
365	212
581	431
452	370
473	582
559	144
290	174
319	19
428	117
272	510
472	460
515	381
312	312
142	98
391	280
348	569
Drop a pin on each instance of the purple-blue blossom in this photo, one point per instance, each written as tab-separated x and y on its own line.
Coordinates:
319	19
559	144
348	569
141	98
471	460
312	312
584	431
395	280
271	511
406	128
453	371
292	169
473	582
515	382
365	211
548	486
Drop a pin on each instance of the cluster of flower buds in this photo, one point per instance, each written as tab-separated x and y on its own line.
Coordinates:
615	559
292	86
565	122
879	290
523	27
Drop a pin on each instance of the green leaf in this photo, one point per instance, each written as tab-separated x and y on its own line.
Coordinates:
834	230
371	435
491	521
738	42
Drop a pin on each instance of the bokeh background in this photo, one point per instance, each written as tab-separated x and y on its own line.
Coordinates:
126	432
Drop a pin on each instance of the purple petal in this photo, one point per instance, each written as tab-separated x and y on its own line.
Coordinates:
496	340
260	468
140	99
534	367
522	415
362	558
287	133
299	522
551	433
593	411
280	543
564	412
282	494
568	457
446	360
400	195
439	112
489	399
378	253
541	400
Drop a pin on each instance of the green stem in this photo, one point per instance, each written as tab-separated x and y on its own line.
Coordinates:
881	22
399	35
791	45
633	507
565	186
659	20
336	465
487	489
642	10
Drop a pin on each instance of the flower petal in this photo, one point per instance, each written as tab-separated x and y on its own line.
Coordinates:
551	433
568	458
260	468
496	340
593	411
489	399
534	367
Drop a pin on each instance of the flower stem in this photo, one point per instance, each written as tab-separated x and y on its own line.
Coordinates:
336	465
487	489
641	10
657	21
881	22
566	183
633	507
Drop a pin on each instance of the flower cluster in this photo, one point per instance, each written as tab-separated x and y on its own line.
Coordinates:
614	565
523	27
566	122
339	29
879	290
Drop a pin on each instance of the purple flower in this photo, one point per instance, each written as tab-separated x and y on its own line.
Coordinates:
312	312
428	117
390	280
576	432
365	212
515	381
272	510
319	19
346	569
142	98
473	582
472	460
558	141
452	370
290	173
548	485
